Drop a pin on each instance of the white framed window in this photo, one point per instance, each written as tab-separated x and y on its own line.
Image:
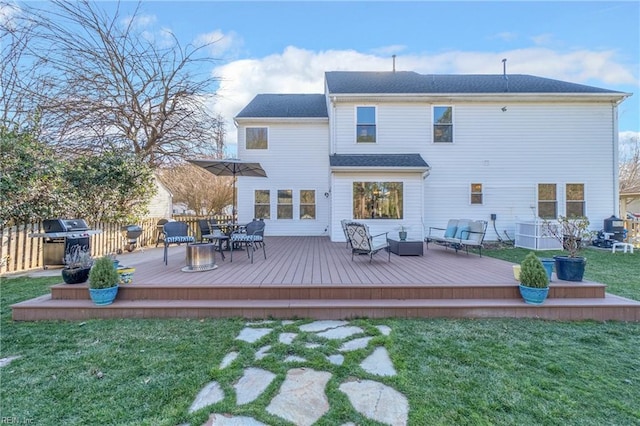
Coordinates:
307	204
476	195
256	138
575	203
443	124
262	204
547	201
366	124
378	200
285	204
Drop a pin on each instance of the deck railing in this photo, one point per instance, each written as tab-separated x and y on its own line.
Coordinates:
19	252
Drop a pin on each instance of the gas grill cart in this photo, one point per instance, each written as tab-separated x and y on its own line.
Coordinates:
61	236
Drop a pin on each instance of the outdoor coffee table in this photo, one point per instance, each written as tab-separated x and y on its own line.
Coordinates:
200	257
406	247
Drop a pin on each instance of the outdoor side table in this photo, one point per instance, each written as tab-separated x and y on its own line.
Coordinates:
406	247
220	237
200	257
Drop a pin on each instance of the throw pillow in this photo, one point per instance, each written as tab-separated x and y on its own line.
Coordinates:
462	233
450	232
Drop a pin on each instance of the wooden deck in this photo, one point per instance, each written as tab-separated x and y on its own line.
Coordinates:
311	277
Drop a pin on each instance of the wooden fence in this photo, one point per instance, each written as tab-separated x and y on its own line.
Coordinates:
20	252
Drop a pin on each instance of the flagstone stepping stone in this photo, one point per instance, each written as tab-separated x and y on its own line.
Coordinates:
379	363
340	332
294	358
355	344
336	359
377	401
263	352
301	398
6	361
261	322
312	345
252	335
322	325
226	420
252	384
210	394
384	329
287	338
228	359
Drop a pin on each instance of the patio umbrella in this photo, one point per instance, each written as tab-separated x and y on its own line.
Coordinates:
231	167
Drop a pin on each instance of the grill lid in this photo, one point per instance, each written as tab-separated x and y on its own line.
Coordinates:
64	225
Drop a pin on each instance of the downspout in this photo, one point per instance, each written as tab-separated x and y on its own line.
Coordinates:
616	166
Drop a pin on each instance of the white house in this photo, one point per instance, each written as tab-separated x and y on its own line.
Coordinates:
402	148
161	203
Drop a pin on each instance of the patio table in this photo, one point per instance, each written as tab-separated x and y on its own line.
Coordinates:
220	237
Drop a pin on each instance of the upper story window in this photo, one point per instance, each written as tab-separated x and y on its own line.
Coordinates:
476	193
365	124
257	138
547	201
575	200
443	124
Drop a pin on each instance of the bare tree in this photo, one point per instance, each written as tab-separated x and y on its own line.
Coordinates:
114	86
200	190
630	169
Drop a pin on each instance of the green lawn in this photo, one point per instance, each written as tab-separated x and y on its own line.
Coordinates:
453	372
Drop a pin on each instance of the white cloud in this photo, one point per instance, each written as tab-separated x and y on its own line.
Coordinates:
219	42
542	39
298	70
389	50
628	142
8	11
140	21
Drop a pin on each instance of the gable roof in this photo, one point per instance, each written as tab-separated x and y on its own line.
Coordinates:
286	106
378	160
409	82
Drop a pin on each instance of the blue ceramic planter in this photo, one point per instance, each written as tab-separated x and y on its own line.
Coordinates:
103	296
532	295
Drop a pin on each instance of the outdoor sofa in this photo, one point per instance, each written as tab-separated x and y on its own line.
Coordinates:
459	234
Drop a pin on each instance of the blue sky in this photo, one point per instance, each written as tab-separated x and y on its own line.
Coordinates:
285	47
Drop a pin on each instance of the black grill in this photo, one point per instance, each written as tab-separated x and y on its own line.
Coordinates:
61	236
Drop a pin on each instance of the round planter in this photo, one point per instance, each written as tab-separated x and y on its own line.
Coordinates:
533	295
126	275
75	275
103	296
548	265
570	268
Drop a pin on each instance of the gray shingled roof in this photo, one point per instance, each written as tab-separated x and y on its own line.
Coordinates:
286	106
406	82
377	160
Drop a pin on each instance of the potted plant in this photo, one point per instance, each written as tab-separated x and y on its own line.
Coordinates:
570	232
534	282
77	264
103	281
402	232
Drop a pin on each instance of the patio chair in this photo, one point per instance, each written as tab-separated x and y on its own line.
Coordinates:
343	223
175	233
362	242
160	230
251	237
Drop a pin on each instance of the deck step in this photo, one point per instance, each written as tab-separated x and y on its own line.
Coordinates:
562	289
609	307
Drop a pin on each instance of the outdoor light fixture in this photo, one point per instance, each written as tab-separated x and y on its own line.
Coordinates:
504	109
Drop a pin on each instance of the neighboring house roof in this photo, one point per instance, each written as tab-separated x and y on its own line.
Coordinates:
286	106
378	160
409	82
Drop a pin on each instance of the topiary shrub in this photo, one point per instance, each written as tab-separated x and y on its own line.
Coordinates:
103	274
532	272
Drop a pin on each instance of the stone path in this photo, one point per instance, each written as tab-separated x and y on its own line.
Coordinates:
301	398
